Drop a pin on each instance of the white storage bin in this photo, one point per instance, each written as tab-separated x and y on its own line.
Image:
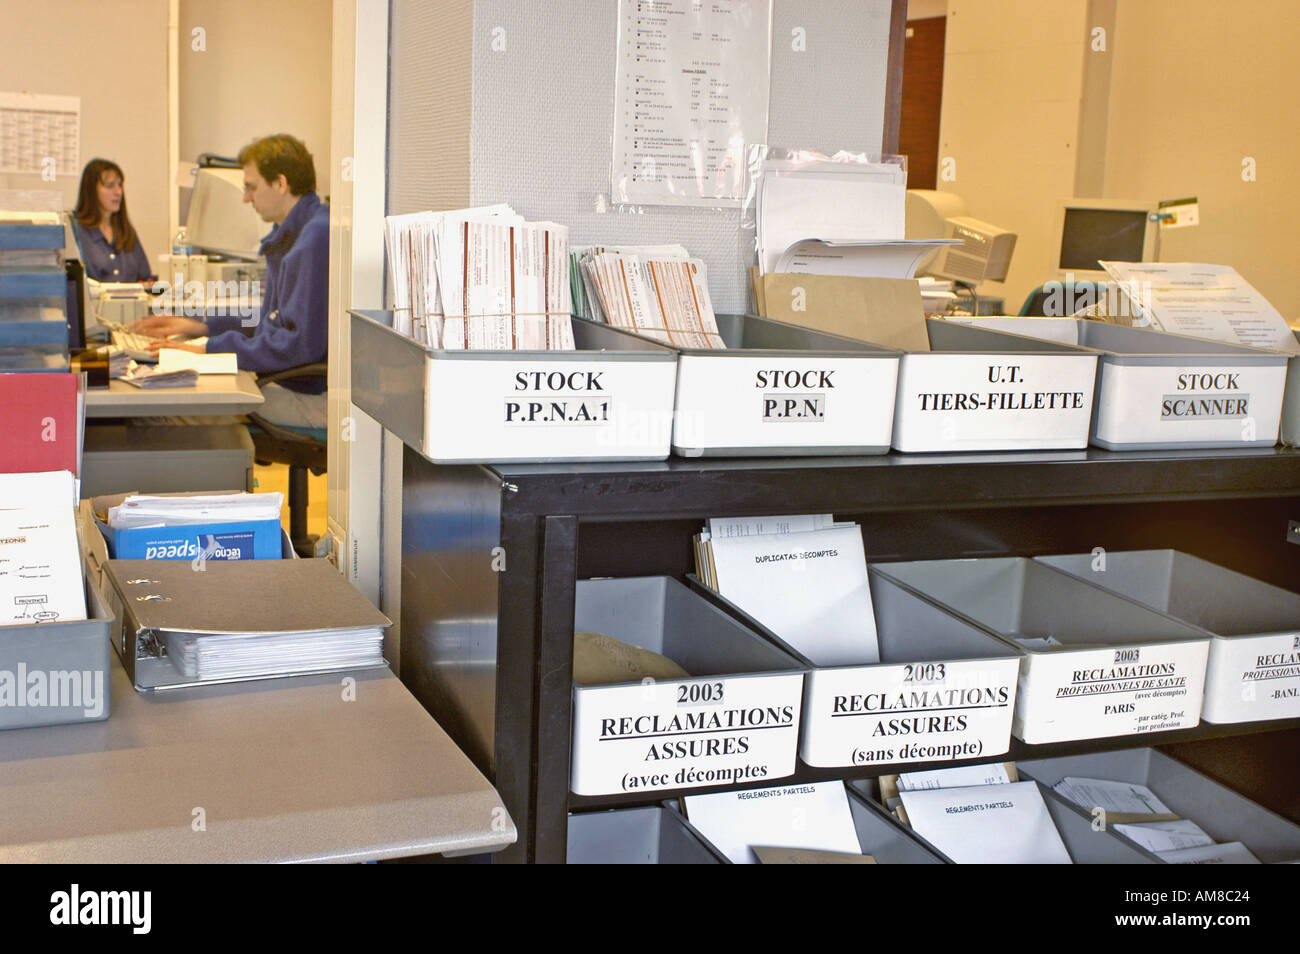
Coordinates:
611	399
735	720
779	389
944	690
1254	663
1157	390
1135	670
977	390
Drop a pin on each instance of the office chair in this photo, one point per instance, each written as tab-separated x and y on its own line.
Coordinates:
1073	296
303	449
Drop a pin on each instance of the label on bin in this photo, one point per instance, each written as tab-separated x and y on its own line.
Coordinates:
684	733
913	712
508	409
1144	404
724	401
1119	690
1251	678
993	401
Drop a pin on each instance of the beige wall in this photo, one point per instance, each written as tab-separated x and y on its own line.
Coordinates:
265	69
60	47
1012	84
1222	88
1184	90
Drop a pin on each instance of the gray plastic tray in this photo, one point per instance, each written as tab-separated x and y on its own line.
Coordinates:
652	835
75	658
1254	662
1224	814
731	668
1134	669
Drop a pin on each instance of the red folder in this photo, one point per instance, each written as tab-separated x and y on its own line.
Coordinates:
40	424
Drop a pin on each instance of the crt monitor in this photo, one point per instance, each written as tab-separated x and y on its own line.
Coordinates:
1091	231
219	219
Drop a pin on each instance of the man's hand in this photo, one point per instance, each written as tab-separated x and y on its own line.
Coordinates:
159	343
161	326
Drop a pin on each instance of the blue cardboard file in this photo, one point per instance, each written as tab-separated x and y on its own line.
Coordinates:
248	540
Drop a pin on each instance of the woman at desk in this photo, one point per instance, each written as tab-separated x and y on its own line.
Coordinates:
110	248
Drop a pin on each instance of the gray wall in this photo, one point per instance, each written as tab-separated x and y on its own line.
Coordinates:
543	113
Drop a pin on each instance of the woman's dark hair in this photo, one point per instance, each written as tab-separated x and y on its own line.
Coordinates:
88	211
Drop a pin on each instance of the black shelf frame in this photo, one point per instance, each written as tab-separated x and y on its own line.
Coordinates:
491	554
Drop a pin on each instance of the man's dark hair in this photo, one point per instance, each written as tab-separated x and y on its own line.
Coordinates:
282	155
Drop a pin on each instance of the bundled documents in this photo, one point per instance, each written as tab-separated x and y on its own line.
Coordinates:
600	660
656	291
480	278
832	215
1138	814
198	528
151	377
804	578
814	816
247	619
40	560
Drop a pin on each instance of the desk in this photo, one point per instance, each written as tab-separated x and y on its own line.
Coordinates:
285	770
153	456
214	394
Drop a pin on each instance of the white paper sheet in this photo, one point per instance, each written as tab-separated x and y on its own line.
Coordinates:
987	824
1115	797
809	588
690	94
964	777
795	816
1232	853
40	561
1167	835
1203	301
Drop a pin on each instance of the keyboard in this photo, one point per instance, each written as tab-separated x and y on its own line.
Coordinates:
135	345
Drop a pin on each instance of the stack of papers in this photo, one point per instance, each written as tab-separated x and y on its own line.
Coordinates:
1138	813
803	577
1203	301
151	377
40	561
243	655
139	510
742	824
820	215
480	278
177	359
660	292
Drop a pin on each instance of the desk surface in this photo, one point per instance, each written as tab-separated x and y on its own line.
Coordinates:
214	394
284	770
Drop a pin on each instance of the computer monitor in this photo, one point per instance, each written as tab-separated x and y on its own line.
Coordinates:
219	219
1090	231
985	250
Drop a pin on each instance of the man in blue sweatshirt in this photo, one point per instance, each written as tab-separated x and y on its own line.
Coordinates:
292	326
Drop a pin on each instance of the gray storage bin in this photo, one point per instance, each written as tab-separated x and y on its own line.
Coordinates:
1254	662
864	715
742	699
610	399
637	836
75	658
779	389
1225	815
1134	669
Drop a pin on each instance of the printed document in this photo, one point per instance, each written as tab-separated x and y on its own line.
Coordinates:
987	824
1203	301
40	561
795	816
